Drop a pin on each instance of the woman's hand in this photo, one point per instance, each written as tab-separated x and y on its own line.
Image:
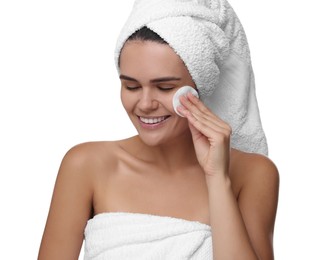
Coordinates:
211	136
242	228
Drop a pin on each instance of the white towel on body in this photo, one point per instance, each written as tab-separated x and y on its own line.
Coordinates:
136	236
210	39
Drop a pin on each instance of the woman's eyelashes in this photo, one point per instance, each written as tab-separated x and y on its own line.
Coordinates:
165	88
132	88
159	87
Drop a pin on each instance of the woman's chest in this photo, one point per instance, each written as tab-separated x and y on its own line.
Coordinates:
182	196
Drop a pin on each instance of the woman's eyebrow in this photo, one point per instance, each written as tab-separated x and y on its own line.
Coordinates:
163	79
127	78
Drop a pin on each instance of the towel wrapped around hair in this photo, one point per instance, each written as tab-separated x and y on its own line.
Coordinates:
209	38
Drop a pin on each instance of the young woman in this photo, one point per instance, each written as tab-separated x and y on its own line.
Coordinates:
177	190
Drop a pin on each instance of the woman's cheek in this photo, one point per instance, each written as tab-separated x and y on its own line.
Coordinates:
126	102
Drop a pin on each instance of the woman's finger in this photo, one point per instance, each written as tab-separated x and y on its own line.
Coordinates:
202	113
197	107
207	127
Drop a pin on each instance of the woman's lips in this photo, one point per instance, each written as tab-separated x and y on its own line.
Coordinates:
152	122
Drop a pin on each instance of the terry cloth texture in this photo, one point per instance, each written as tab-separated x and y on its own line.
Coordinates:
135	236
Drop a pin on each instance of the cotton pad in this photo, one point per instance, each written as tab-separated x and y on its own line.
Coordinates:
182	92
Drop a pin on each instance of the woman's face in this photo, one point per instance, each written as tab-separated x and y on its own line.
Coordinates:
150	74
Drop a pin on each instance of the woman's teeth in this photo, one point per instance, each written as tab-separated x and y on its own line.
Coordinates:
153	120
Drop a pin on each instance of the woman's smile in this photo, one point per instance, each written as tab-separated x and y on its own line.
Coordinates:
152	122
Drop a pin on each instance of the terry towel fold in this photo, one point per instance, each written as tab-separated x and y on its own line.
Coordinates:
210	39
136	236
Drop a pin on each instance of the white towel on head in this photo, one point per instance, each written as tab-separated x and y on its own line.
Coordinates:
135	236
210	39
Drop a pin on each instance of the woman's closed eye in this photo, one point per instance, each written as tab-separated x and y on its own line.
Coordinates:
162	88
132	87
165	87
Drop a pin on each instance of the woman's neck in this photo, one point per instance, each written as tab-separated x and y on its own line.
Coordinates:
173	155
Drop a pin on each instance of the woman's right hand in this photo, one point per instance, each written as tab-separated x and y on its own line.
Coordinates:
211	136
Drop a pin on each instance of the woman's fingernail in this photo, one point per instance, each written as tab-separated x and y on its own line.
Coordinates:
181	108
181	111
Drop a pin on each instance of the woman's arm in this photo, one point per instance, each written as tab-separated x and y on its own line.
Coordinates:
70	209
244	228
258	200
240	229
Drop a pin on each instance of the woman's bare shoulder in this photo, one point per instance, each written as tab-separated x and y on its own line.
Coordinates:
253	169
244	162
72	201
91	158
91	154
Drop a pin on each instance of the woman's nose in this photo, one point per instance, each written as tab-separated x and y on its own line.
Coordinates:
148	100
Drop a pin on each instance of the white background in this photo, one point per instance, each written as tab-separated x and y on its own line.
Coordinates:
59	87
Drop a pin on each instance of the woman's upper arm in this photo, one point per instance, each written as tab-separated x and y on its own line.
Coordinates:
70	208
258	204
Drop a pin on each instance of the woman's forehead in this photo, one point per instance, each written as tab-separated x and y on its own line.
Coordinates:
148	56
